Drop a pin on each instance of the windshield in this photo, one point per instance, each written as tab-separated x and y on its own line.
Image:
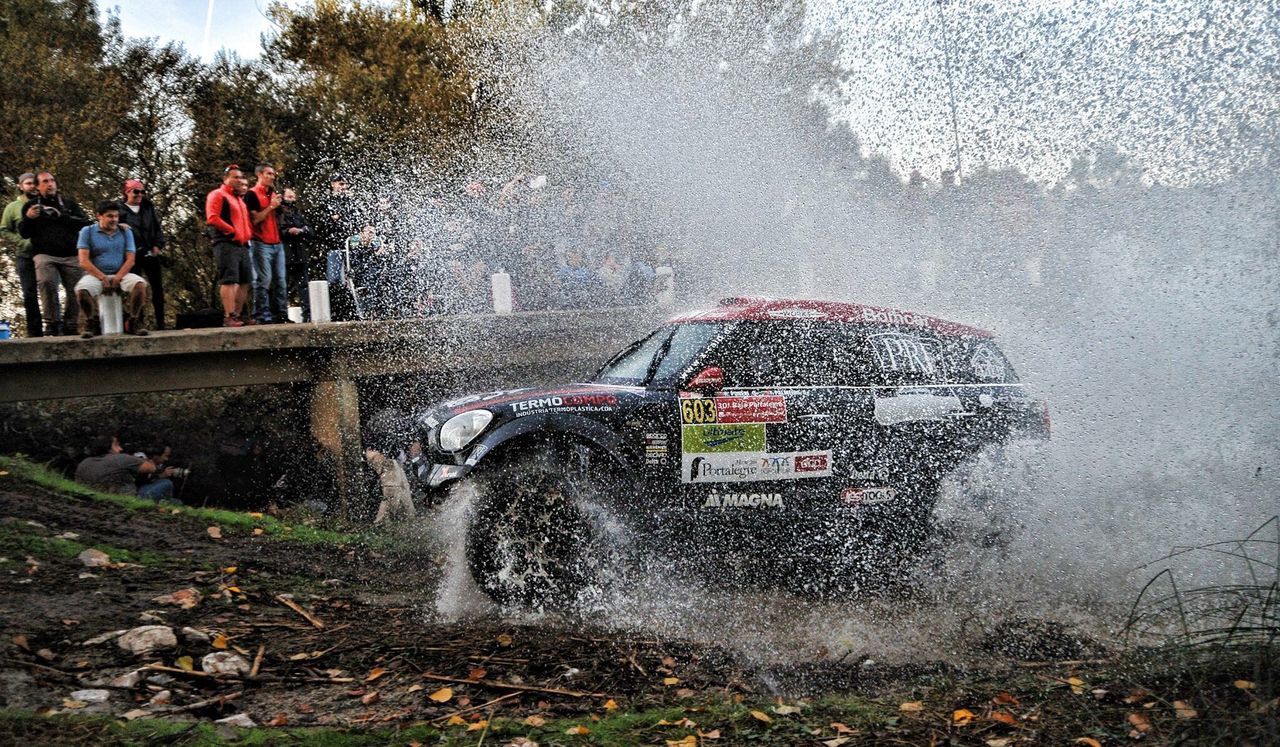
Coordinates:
632	365
686	344
660	357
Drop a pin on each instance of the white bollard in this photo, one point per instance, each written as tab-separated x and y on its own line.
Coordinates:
319	292
666	281
111	313
295	314
501	283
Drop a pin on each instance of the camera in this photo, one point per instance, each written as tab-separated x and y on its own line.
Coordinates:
180	473
50	212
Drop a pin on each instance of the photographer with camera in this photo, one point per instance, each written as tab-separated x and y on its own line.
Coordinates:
139	213
161	457
109	469
52	223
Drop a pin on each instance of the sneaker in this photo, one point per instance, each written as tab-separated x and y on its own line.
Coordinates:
232	321
248	322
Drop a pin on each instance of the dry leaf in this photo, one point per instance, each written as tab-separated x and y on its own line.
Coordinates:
911	706
1088	742
961	717
73	704
577	730
1004	717
999	742
257	531
477	726
1077	685
443	695
414	688
456	720
1134	696
1184	710
521	742
713	734
689	741
835	742
215	532
1244	684
186	663
685	692
1139	722
255	514
477	673
279	719
841	728
785	710
370	698
229	569
21	642
610	705
534	721
668	661
219	641
761	716
670	680
1005	699
375	673
504	639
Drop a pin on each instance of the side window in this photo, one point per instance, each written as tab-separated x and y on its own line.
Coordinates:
908	357
780	354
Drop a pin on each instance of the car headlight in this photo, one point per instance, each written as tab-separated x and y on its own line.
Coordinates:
462	429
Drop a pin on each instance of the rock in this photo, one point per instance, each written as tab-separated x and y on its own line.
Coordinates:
46	654
103	638
86	574
191	635
225	662
94	558
184	598
148	638
161	698
135	713
91	696
150	617
160	680
128	680
240	719
68	536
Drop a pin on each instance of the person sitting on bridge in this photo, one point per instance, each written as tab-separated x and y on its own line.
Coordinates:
107	254
109	469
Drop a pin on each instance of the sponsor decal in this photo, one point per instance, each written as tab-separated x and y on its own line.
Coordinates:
743	500
796	314
751	467
987	365
738	409
655	448
477	454
702	439
903	352
877	474
814	462
867	496
892	316
587	402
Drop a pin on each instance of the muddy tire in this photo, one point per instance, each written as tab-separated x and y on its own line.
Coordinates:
533	542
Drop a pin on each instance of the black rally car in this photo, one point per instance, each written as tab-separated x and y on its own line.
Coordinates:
792	437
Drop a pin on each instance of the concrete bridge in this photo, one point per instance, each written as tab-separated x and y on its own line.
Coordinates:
329	357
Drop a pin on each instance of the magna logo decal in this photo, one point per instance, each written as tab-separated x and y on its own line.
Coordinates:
743	500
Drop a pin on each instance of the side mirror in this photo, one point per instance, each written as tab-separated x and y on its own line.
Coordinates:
707	381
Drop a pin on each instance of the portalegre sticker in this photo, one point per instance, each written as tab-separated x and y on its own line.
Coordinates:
754	467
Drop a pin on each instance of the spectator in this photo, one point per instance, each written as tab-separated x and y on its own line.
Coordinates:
23	259
296	234
107	254
340	215
613	275
139	213
348	272
535	286
397	502
417	470
229	227
108	469
52	223
270	287
579	284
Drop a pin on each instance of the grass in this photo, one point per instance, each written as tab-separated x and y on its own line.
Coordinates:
733	720
15	543
21	469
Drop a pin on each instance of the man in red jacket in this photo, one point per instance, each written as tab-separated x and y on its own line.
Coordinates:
230	229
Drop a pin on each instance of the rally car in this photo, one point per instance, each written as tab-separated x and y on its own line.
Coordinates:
777	436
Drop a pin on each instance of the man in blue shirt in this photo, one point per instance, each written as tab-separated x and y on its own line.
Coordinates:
107	253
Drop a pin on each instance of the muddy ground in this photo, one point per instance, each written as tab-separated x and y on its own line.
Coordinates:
340	634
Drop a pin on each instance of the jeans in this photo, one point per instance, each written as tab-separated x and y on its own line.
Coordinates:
52	271
270	287
151	268
30	294
157	490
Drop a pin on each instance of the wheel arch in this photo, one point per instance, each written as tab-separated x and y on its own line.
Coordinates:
525	431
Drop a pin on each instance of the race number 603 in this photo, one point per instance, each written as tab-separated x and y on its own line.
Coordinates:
697	411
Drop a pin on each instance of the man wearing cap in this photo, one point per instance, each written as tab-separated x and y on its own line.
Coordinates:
230	229
139	213
24	259
270	290
52	222
107	254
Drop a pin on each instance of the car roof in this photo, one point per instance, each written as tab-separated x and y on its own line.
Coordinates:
743	308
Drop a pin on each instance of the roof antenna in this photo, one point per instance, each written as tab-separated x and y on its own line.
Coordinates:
951	85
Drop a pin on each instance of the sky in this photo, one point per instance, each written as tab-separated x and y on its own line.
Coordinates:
237	25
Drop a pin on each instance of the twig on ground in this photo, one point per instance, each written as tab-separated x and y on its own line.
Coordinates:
510	686
257	660
219	700
498	699
59	672
1065	663
286	601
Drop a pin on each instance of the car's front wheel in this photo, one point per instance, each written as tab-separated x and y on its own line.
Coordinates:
535	540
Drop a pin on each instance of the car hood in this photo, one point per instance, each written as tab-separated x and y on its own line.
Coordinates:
579	398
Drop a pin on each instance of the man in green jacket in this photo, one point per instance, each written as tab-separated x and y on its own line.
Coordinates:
24	259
